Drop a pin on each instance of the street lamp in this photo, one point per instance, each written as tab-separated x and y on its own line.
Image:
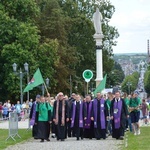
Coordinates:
129	86
47	81
21	74
26	68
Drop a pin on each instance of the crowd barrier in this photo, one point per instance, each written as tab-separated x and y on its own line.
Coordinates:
13	126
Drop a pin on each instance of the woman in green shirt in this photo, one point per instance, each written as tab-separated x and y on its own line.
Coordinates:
43	119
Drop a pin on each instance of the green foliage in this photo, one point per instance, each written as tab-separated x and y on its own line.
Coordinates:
20	43
55	25
147	81
22	10
116	76
132	80
57	37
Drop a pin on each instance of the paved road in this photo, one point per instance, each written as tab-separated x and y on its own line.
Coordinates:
68	144
21	124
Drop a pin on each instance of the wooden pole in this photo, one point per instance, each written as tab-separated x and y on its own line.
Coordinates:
46	88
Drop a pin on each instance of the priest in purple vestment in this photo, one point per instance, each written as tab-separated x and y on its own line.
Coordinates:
99	115
118	113
78	115
88	124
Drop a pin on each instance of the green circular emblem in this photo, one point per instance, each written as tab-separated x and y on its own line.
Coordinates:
87	75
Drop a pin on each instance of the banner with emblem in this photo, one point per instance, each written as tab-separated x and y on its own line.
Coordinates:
35	81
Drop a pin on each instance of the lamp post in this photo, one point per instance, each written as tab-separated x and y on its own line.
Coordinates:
47	81
21	74
26	67
129	86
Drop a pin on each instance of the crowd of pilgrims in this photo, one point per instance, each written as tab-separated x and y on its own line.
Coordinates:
22	110
80	117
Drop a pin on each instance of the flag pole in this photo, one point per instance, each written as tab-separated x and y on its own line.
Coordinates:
45	87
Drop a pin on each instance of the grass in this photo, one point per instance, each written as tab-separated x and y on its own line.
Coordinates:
23	133
138	142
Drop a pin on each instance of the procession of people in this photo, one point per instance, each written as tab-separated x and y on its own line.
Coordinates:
79	117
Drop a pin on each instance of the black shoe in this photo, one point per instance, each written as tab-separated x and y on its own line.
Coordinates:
42	140
62	139
47	140
121	138
97	138
77	139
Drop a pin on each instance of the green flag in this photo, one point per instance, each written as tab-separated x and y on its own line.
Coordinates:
101	86
35	81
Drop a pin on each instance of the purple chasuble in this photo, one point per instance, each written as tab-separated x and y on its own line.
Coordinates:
88	120
80	114
102	113
32	121
117	113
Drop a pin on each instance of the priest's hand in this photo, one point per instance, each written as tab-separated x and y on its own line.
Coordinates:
54	120
127	116
92	118
48	94
85	118
107	118
67	119
70	118
111	117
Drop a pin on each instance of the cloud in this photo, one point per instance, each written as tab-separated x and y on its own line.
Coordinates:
132	19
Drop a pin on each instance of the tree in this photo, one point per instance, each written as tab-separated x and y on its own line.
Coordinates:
81	13
116	76
147	81
53	24
17	44
20	43
132	80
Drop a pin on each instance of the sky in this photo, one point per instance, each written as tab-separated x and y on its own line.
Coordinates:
132	19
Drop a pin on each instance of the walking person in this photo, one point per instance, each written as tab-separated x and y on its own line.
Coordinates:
128	120
88	123
134	107
118	113
18	108
5	112
99	115
43	119
69	129
32	117
60	116
109	122
1	111
78	115
145	111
